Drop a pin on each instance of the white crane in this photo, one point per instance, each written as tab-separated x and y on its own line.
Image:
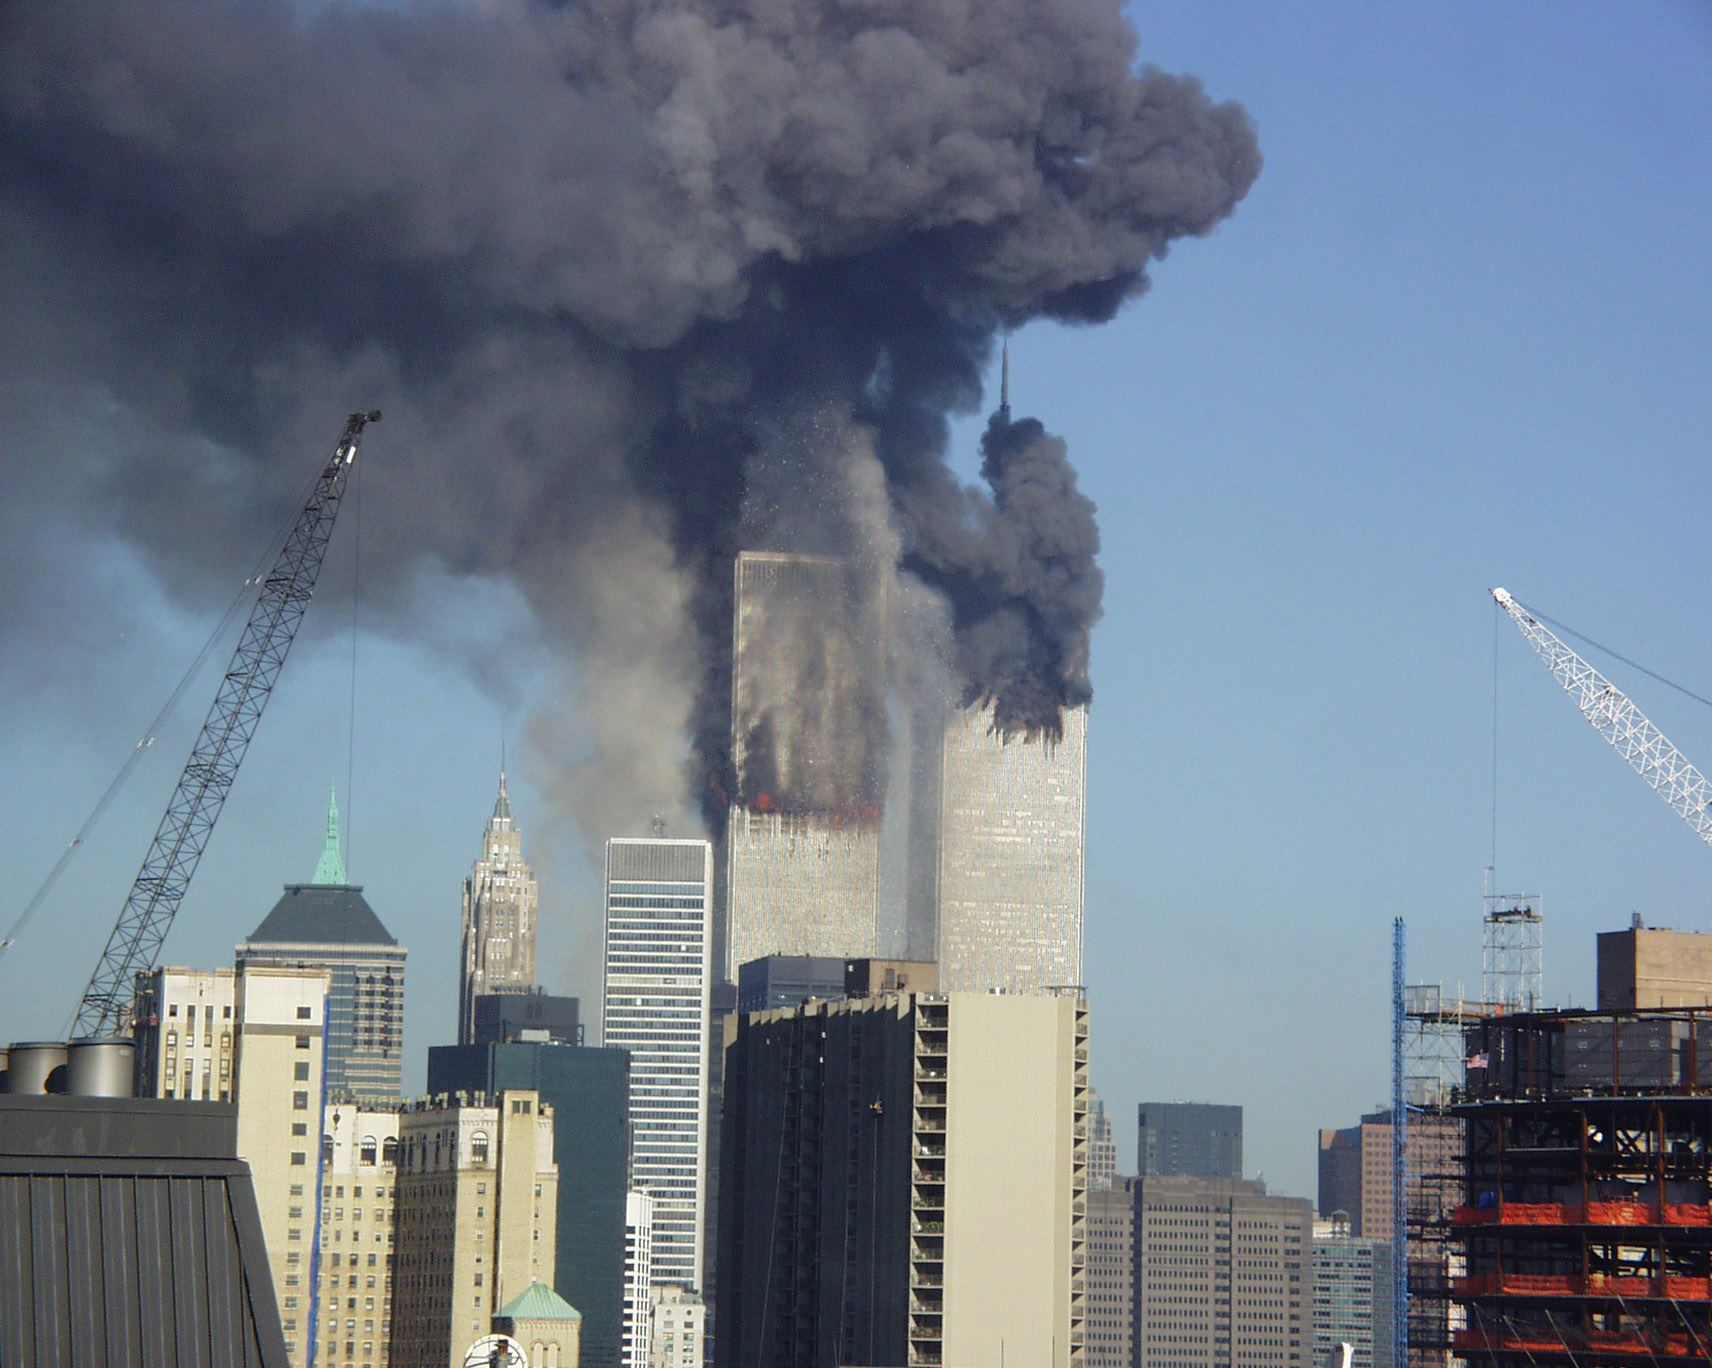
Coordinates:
1647	749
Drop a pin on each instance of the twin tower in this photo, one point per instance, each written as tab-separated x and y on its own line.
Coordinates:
966	850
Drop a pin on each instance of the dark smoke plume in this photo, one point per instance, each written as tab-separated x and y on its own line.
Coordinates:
1023	586
637	283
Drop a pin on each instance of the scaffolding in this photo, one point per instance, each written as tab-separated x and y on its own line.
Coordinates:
1514	953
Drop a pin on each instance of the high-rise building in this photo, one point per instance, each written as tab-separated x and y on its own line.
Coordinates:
327	924
1355	1169
1102	1147
1111	1275
679	1328
1222	1275
1189	1140
500	899
658	972
1352	1296
801	857
186	1033
254	1036
589	1091
1010	855
903	1182
281	1047
477	1189
359	1169
638	1280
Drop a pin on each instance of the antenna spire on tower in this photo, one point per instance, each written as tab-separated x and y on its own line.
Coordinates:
1005	379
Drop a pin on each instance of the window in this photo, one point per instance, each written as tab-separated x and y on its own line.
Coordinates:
303	1013
478	1148
226	1011
366	1152
300	1101
326	1149
298	1158
389	1150
300	1071
172	1010
300	1128
303	1042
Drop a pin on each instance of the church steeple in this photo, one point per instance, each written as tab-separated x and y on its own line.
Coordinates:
330	868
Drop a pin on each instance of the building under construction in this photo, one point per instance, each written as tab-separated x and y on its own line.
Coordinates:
1583	1228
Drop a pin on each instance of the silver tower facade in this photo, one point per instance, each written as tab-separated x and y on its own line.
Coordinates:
659	935
1010	855
501	898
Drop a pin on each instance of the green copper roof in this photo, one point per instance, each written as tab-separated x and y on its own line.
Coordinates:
330	868
539	1302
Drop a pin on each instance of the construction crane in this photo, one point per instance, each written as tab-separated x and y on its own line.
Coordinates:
219	749
1648	751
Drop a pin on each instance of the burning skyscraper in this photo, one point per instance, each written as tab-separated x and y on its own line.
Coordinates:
802	848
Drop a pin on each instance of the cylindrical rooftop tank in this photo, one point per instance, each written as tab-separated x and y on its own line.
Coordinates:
34	1067
100	1066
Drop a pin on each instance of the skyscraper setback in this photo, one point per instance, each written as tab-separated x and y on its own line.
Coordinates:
500	898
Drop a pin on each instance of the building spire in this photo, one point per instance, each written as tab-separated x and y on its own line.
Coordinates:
502	804
1005	380
330	868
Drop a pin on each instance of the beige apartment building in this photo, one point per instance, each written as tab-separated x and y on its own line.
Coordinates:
282	1018
254	1036
186	1033
476	1199
904	1182
359	1158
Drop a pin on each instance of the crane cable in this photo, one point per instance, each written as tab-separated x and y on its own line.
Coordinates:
1615	655
246	592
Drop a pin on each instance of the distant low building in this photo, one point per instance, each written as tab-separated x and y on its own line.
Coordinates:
679	1334
547	1326
1352	1296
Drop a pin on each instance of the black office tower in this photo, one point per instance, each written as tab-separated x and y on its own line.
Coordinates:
589	1091
1189	1140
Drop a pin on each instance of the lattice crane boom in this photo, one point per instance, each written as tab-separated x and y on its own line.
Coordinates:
219	749
1647	749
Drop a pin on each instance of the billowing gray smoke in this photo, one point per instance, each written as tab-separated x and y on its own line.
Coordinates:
603	264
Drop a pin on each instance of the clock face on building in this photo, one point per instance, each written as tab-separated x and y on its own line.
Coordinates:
496	1351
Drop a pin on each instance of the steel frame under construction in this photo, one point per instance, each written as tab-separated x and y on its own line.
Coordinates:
1585	1215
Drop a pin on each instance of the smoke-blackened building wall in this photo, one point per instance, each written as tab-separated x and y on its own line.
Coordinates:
801	848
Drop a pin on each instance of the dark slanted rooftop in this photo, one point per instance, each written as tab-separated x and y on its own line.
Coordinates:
322	914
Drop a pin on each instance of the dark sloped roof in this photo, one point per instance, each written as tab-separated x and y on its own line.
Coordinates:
321	914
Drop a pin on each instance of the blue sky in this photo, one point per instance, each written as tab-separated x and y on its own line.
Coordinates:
1456	336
